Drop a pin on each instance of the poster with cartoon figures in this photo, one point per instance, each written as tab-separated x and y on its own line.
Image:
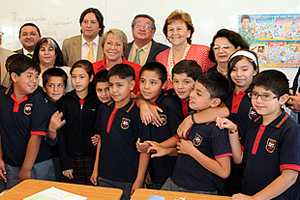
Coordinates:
274	37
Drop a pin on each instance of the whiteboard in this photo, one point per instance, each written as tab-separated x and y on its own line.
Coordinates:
60	18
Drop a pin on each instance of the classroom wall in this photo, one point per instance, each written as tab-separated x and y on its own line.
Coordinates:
60	18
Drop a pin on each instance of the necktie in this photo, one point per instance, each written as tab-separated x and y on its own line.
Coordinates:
90	56
29	55
137	56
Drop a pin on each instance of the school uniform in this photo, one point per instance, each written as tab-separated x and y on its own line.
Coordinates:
119	129
241	112
75	147
184	104
191	176
267	151
162	168
18	121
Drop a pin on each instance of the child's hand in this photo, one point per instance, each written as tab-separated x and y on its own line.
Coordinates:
94	178
146	114
225	123
185	146
184	127
142	147
24	174
136	185
148	179
95	139
156	120
56	122
156	149
2	171
240	196
68	173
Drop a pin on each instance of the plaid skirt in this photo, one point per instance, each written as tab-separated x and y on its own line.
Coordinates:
82	170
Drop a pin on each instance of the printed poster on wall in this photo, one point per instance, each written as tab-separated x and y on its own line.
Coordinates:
274	37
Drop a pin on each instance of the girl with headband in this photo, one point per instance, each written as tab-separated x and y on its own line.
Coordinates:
242	67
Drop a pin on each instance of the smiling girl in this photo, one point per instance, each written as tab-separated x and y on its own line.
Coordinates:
79	109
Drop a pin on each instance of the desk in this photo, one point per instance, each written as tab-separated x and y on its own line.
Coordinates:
144	194
31	186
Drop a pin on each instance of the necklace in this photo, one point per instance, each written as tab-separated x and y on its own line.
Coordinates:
171	59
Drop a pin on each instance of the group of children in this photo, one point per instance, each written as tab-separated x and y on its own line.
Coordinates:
180	139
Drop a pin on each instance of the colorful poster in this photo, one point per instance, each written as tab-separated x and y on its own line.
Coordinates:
274	37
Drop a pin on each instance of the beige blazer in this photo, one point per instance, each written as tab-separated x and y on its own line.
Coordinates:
71	50
4	54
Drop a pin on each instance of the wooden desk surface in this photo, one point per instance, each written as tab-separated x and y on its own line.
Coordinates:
30	187
144	194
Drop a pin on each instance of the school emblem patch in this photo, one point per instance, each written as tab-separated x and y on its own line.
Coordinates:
197	140
252	113
271	145
163	119
125	123
27	108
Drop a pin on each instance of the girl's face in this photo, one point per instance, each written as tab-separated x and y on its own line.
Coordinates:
80	79
242	74
47	55
178	33
223	49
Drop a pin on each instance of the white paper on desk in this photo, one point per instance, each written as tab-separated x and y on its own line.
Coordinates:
55	194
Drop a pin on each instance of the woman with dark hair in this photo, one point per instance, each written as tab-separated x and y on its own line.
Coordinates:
48	54
179	29
224	43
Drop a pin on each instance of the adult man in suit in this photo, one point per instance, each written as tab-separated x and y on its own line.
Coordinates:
4	54
294	101
143	49
29	35
88	44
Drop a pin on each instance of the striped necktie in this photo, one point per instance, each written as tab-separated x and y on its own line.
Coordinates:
29	55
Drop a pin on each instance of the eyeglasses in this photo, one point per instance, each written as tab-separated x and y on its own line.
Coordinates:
223	47
147	26
264	97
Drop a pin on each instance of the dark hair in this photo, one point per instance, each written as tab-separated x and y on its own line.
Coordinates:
245	17
22	64
234	38
190	67
179	15
144	16
30	24
216	84
59	61
54	72
10	59
98	15
100	77
233	61
157	67
273	80
121	70
86	65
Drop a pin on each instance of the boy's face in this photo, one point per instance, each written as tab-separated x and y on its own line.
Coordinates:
55	88
26	83
267	108
150	85
200	98
183	85
102	90
120	90
245	23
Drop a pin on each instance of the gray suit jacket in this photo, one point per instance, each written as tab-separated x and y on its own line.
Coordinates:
71	50
156	48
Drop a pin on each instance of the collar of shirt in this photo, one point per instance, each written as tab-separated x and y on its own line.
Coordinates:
27	52
276	122
127	108
85	48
